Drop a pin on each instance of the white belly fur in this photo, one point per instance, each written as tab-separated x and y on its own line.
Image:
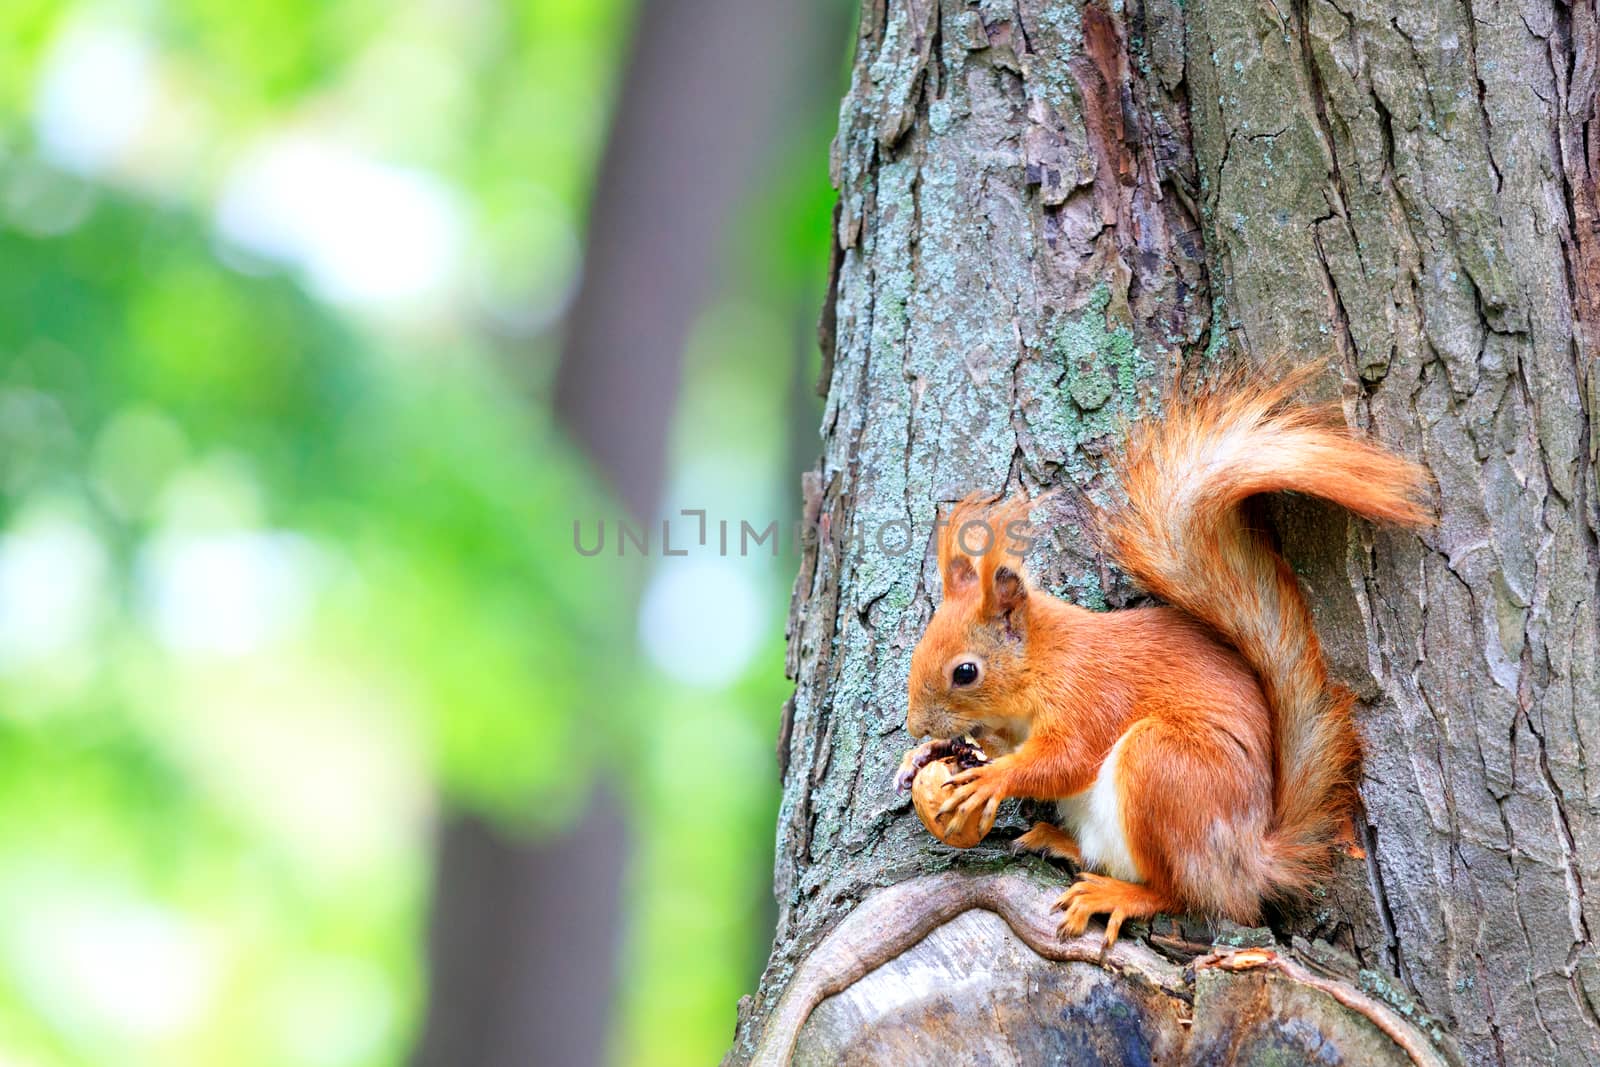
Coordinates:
1094	818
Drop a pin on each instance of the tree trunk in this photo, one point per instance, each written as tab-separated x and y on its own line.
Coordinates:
1047	209
524	934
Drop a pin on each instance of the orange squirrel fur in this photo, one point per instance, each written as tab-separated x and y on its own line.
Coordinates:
1200	757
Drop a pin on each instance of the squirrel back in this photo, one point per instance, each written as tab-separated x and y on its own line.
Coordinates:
1183	535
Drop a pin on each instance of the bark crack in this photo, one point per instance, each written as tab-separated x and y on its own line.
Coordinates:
1380	896
1483	92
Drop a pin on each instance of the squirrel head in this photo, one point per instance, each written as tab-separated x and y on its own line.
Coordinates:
969	669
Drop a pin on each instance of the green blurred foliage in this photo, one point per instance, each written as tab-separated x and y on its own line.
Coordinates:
215	835
25	27
424	492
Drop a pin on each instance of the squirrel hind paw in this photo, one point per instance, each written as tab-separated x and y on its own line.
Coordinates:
1094	894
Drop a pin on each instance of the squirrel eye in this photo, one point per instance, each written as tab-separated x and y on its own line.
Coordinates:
964	674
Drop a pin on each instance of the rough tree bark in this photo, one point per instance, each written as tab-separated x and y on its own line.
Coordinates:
1045	209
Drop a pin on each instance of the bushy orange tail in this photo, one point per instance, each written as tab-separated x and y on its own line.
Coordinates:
1182	536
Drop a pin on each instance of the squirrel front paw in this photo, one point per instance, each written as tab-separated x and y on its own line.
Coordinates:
964	751
975	794
914	760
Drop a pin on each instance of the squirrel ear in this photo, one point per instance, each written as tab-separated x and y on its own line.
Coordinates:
1007	593
959	575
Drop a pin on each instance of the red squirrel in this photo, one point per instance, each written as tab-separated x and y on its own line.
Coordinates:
1200	757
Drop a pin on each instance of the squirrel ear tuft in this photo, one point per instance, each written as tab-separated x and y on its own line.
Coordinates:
975	539
958	568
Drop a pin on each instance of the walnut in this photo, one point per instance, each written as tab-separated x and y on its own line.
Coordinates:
939	762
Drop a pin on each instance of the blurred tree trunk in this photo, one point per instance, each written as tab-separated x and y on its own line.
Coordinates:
1046	208
525	935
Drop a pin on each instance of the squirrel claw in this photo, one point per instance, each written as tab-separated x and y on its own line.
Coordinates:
1095	894
971	776
1079	906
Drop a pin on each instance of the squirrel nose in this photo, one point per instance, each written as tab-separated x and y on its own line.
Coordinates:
914	724
919	723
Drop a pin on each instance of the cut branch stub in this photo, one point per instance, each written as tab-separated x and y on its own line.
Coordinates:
903	978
